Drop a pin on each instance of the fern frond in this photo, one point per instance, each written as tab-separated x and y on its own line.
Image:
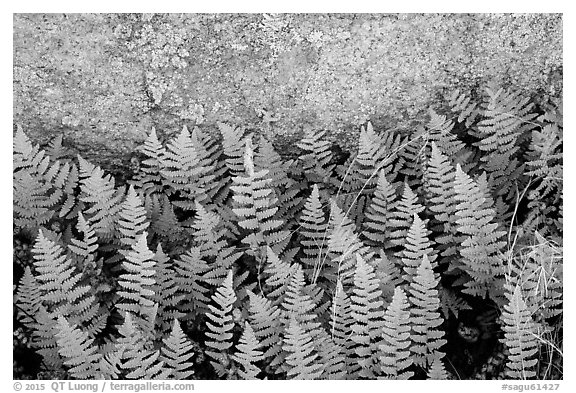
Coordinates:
395	356
401	219
301	358
44	339
136	360
366	312
340	323
84	249
168	228
442	203
425	316
299	305
27	155
467	110
437	371
278	274
210	154
28	298
450	302
42	190
185	172
166	294
211	237
80	355
191	269
256	206
506	117
521	338
220	325
482	247
343	244
103	199
62	292
265	318
149	180
132	221
440	133
357	175
379	212
415	247
177	353
317	157
248	353
313	225
233	145
137	284
32	207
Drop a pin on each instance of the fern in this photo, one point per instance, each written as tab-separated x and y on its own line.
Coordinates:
437	371
41	190
301	355
191	270
137	284
343	244
395	357
278	274
149	179
137	361
233	145
248	354
340	325
44	339
426	337
166	294
464	107
210	151
266	285
177	353
545	157
285	189
211	236
537	270
402	216
317	158
266	323
440	133
168	228
450	303
299	305
101	197
220	326
441	195
60	285
132	219
256	206
78	351
417	245
185	172
313	226
507	116
84	250
31	207
28	298
481	248
357	177
521	337
366	312
379	213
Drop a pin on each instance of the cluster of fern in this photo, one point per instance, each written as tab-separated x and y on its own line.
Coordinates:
220	259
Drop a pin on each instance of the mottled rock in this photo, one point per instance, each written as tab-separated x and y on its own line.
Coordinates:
103	80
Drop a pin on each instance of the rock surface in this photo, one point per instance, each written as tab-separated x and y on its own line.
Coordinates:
103	80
